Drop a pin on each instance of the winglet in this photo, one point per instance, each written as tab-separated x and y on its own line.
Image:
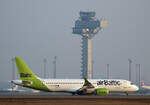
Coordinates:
85	79
87	83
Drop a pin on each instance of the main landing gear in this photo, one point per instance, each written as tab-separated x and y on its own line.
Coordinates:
127	93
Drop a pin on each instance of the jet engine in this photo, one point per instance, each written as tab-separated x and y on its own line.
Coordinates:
101	91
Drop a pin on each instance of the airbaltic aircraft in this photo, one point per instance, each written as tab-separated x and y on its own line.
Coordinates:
74	86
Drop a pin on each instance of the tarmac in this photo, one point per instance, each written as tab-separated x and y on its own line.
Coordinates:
37	99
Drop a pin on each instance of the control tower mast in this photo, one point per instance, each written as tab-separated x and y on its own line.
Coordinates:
87	26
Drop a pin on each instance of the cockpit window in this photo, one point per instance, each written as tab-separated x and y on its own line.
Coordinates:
131	83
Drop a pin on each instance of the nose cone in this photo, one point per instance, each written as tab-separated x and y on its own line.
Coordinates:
136	88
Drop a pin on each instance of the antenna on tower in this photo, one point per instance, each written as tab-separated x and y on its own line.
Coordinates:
103	23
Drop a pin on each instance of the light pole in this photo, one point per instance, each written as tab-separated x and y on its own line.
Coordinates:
55	64
136	68
44	61
108	71
139	75
130	63
13	72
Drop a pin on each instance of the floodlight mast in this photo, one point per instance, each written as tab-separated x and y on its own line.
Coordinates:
87	26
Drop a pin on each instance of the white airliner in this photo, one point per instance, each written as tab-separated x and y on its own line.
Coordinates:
74	86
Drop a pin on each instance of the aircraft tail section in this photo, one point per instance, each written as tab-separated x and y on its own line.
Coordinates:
24	71
29	79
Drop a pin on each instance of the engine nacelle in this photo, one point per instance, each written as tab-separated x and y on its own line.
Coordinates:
102	91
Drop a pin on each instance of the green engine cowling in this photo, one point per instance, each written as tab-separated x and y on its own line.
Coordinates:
102	91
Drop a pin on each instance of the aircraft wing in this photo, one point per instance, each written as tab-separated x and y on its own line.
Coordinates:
86	88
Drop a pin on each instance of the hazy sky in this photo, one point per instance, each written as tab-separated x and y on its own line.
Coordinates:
34	29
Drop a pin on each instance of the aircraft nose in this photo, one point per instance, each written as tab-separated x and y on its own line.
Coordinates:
136	88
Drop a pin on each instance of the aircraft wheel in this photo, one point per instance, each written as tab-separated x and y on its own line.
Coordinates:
127	93
73	94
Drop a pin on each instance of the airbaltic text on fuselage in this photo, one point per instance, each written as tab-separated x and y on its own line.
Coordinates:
108	82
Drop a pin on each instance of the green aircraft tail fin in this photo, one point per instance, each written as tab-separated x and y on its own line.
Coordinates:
24	71
29	79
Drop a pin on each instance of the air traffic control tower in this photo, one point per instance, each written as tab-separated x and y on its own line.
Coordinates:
87	26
